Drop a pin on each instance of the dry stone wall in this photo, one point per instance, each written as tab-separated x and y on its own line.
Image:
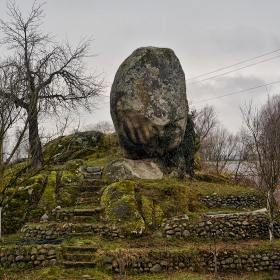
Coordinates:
58	230
198	260
231	201
238	226
35	255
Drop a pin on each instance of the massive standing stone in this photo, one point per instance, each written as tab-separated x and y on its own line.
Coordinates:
148	102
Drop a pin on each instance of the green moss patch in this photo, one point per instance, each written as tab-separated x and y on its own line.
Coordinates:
121	208
152	213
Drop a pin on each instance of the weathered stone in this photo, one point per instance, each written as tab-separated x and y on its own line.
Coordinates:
51	252
34	251
40	258
44	218
93	169
186	233
158	234
126	169
121	208
148	102
156	268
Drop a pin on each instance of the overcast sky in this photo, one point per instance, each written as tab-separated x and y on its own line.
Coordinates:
206	35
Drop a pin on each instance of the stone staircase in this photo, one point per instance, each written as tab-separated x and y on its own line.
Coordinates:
86	214
78	257
88	202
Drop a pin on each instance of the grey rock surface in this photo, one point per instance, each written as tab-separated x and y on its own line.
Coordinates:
148	102
127	169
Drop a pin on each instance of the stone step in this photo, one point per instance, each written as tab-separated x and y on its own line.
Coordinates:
69	264
83	219
93	182
87	212
91	188
87	194
77	249
93	169
83	228
88	199
90	257
81	234
97	175
83	278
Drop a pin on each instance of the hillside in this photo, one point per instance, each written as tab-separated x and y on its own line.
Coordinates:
137	229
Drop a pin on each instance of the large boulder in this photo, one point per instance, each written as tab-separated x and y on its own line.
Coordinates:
127	169
148	103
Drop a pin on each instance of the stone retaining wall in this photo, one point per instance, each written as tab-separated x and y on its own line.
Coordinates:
58	230
231	201
238	226
197	260
34	255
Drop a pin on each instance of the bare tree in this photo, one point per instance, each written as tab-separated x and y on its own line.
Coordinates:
8	118
219	148
205	120
103	126
263	126
47	75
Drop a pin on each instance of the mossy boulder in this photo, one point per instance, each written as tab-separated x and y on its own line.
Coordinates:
121	208
41	193
15	212
75	146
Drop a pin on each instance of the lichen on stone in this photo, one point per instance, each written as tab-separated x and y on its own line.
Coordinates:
149	93
121	208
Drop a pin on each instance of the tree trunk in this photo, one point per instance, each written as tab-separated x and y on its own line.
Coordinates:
35	145
270	207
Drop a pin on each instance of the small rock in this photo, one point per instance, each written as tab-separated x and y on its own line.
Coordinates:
156	268
51	252
186	233
52	262
158	234
34	251
44	218
41	258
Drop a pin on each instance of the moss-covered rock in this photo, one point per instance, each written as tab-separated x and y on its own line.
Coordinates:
69	187
75	146
41	193
15	212
121	208
152	213
48	199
